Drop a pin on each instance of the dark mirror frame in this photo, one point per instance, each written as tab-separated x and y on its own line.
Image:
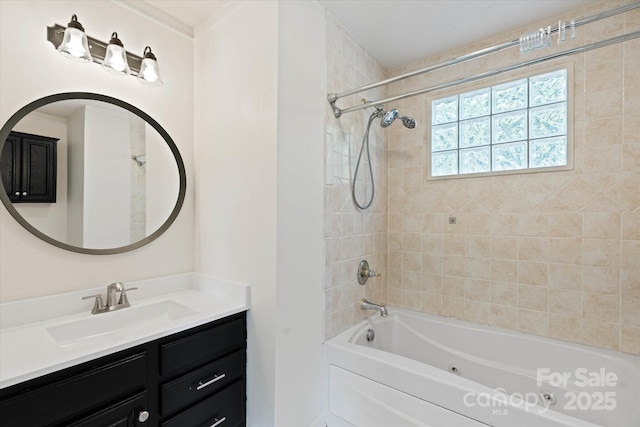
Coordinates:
8	127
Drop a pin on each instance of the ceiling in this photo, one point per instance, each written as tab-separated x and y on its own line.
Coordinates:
396	32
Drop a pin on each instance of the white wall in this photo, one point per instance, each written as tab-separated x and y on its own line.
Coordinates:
107	181
30	68
302	86
258	152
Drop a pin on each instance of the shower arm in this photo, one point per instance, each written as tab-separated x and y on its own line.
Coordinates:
334	97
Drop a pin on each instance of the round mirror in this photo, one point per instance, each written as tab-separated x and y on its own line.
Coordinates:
90	173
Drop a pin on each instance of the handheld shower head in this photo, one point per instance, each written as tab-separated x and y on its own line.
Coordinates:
388	118
408	122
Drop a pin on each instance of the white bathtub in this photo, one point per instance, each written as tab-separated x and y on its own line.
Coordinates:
427	370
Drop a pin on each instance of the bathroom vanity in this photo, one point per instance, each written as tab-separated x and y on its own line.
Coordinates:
181	363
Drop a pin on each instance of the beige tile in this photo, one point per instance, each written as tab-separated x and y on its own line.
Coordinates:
601	334
503	316
631	129
504	270
411	223
504	247
412	242
453	286
478	223
604	103
601	253
394	296
604	132
534	322
478	246
565	327
601	280
630	311
566	303
477	289
630	157
454	244
411	280
533	273
432	223
453	265
603	76
431	303
453	307
565	276
533	224
504	293
600	158
601	307
432	283
532	297
411	299
478	268
477	311
630	282
431	263
504	224
432	243
630	254
577	194
565	224
533	248
630	339
565	250
601	225
412	261
626	192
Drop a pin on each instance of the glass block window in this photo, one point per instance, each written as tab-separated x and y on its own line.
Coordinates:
518	125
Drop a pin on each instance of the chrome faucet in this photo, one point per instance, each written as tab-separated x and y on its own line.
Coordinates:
366	305
116	299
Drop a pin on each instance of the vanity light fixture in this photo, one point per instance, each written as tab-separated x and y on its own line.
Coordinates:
115	60
149	72
74	43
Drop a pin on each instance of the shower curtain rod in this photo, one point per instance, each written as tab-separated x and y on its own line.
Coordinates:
585	48
333	97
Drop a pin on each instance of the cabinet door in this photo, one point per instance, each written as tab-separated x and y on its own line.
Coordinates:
126	413
10	167
38	170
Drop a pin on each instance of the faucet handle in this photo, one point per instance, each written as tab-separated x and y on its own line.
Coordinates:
123	296
98	305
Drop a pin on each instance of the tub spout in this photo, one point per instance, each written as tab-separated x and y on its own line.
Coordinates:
366	305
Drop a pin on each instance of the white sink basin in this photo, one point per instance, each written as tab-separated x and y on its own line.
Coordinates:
115	326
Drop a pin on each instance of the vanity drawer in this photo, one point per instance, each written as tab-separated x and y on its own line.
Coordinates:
202	347
68	397
223	409
202	382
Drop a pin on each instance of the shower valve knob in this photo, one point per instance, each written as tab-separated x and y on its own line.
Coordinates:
364	272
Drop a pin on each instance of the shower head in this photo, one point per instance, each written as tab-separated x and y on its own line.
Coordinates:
408	122
390	116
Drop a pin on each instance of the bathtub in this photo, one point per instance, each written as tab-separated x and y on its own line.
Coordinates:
432	371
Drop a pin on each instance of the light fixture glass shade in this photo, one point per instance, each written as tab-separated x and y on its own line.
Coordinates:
149	71
74	43
115	59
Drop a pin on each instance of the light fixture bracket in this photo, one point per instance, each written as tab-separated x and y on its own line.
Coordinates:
97	48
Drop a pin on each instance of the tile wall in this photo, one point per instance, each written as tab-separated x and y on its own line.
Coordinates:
554	254
352	235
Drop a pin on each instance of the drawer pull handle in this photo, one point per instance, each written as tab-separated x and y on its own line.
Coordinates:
216	378
217	422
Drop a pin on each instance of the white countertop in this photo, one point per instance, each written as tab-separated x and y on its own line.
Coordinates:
28	350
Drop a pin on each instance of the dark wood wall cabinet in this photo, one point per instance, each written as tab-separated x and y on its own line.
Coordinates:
28	168
195	378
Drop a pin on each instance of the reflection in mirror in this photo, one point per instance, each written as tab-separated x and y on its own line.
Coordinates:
120	179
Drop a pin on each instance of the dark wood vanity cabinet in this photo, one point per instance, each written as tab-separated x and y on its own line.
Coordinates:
28	168
190	379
